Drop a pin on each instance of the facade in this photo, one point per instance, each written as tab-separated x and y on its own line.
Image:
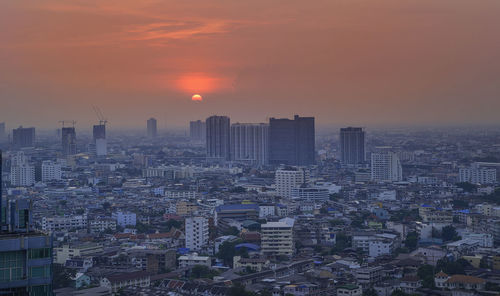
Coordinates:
116	282
255	264
23	137
152	128
310	193
352	145
292	141
277	237
51	224
125	218
250	143
218	138
22	173
66	252
386	167
287	179
101	224
477	175
193	259
68	141
196	232
349	290
51	171
198	131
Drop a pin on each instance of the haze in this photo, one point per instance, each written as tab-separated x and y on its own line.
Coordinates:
348	62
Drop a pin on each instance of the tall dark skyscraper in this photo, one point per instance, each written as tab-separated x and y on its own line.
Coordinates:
352	145
197	130
218	144
3	136
23	137
152	128
68	140
99	132
291	142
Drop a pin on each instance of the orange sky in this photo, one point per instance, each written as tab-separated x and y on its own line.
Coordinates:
347	62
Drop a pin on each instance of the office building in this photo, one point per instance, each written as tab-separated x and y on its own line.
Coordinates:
218	143
152	128
23	137
386	167
287	179
198	131
68	141
277	237
250	143
196	229
291	141
22	173
51	171
352	146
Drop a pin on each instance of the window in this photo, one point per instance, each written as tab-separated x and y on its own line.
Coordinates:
11	266
39	271
39	253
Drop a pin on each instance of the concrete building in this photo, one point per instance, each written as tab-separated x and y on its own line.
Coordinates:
196	232
193	259
51	171
152	128
68	141
477	175
68	252
386	167
22	173
286	179
250	143
310	193
51	224
116	282
198	131
218	138
352	146
125	218
23	137
277	237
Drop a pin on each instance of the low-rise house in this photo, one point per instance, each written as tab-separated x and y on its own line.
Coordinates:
409	284
459	281
255	264
118	281
349	290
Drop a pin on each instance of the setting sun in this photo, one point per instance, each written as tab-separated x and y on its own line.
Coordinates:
196	97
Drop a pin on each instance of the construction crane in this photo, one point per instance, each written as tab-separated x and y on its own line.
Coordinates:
100	116
64	122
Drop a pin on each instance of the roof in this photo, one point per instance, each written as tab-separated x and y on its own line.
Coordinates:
253	247
466	279
238	207
441	274
125	276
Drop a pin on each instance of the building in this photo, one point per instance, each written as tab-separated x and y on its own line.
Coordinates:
193	259
459	281
51	224
310	193
239	212
116	282
68	141
368	276
22	173
124	219
198	131
99	139
196	232
152	128
51	171
349	290
254	264
292	141
250	143
101	224
352	146
23	137
277	237
286	179
99	131
82	250
183	208
386	167
3	136
218	138
477	175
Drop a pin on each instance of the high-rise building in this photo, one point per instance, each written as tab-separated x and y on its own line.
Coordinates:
218	144
250	143
291	142
99	146
22	173
198	131
3	136
287	179
477	175
386	167
352	145
23	137
277	237
152	128
68	141
51	171
196	233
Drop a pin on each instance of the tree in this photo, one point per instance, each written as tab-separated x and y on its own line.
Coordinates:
426	274
239	290
342	241
467	187
452	267
448	233
411	240
62	276
202	271
398	293
233	230
227	251
370	292
483	263
106	205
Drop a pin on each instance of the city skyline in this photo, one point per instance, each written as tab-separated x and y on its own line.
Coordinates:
345	63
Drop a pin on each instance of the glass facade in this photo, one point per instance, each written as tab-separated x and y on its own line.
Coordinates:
11	266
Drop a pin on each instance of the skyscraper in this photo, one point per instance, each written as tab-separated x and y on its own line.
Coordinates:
99	131
291	142
68	141
152	130
352	145
23	137
100	143
386	167
3	136
198	131
250	143
218	144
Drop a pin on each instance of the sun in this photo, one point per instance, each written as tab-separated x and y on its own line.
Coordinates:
196	97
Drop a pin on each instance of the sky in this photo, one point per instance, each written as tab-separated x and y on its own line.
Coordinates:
346	62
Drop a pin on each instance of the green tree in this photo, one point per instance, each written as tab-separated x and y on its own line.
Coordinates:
239	290
448	233
426	274
411	240
342	241
227	251
398	293
467	187
202	271
370	292
62	276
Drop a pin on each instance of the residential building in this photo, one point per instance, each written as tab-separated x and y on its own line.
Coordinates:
51	171
352	146
151	128
196	232
286	179
116	282
250	143
386	167
193	259
23	137
66	252
198	131
68	141
292	141
125	218
218	138
277	237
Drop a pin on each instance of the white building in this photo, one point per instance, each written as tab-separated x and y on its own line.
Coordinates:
288	179
64	223
477	175
21	172
250	143
194	259
100	224
310	193
124	219
196	232
277	237
51	171
266	210
386	167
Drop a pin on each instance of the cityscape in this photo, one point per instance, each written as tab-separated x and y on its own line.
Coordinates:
238	148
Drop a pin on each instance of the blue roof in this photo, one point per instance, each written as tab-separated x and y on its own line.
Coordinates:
252	247
426	206
466	211
237	207
183	251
